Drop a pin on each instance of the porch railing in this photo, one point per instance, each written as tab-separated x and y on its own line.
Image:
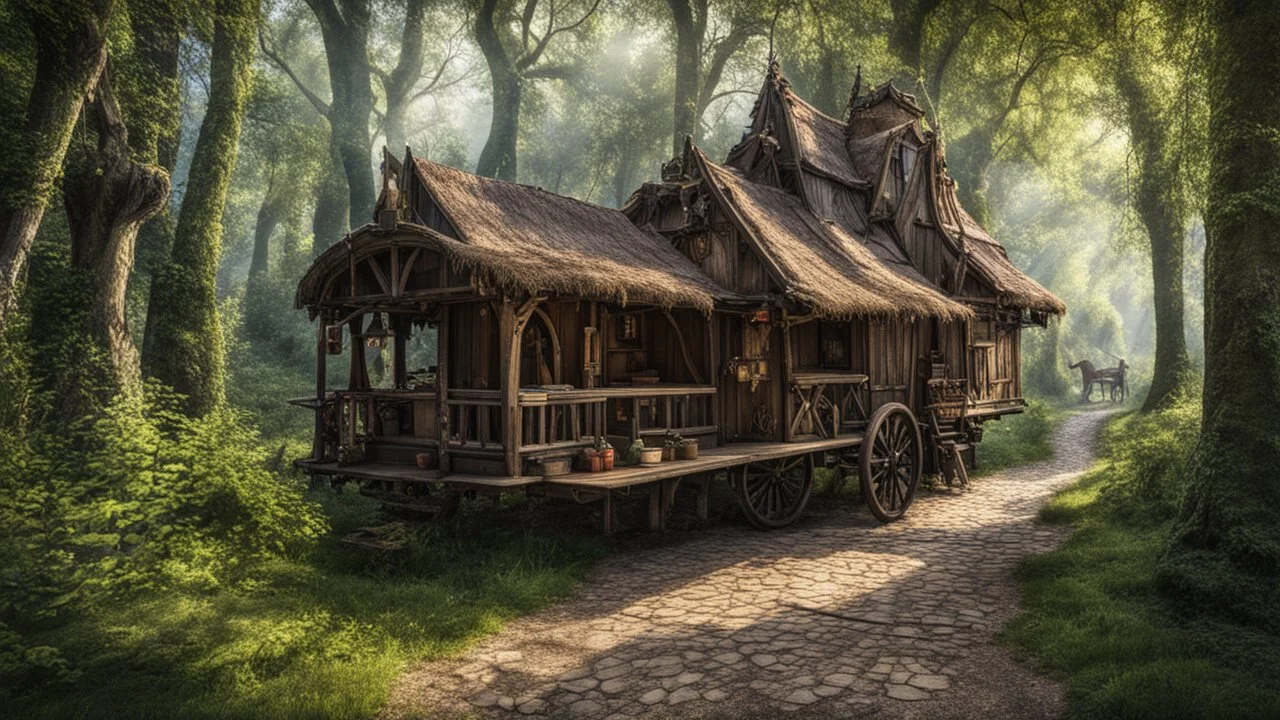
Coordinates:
827	405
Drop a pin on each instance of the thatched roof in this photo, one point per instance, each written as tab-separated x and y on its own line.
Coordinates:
868	154
990	258
821	139
821	264
528	238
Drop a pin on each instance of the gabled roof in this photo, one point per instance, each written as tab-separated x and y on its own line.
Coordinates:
820	264
821	139
526	237
887	91
987	255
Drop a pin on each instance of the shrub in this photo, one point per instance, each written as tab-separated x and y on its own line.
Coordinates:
140	496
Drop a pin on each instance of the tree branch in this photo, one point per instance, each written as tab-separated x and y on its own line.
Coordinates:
321	106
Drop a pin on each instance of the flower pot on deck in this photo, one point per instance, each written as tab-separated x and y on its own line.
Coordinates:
650	456
592	461
668	454
606	459
687	451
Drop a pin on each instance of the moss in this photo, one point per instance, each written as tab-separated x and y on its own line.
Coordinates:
184	345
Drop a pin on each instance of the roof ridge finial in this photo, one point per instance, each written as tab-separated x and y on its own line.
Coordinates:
853	98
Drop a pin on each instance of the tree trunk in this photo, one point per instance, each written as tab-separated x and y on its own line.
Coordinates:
398	84
187	351
71	51
1161	206
1225	556
346	46
498	158
968	159
329	221
108	195
688	70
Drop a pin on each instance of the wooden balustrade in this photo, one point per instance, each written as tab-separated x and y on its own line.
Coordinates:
826	405
475	419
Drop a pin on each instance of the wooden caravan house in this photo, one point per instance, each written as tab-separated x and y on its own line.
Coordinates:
766	307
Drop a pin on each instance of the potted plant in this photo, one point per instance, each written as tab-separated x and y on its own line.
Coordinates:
650	456
632	456
669	445
687	449
605	450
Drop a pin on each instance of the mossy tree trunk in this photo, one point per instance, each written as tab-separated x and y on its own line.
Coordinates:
108	194
71	50
1225	555
1161	205
151	97
186	351
329	221
690	19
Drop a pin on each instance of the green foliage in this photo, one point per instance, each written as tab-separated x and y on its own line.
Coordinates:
1093	612
1019	439
140	497
323	636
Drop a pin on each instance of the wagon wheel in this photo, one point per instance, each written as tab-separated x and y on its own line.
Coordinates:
890	461
773	493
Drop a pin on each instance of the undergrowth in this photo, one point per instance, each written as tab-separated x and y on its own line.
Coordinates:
1092	612
1019	439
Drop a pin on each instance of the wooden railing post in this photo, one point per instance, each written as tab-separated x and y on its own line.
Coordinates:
509	372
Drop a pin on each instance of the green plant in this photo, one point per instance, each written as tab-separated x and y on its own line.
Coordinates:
673	439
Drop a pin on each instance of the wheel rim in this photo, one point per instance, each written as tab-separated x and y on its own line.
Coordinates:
773	493
891	461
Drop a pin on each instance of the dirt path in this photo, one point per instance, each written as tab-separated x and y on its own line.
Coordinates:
843	617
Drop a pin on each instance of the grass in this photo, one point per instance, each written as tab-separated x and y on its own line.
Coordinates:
1019	439
1092	614
323	636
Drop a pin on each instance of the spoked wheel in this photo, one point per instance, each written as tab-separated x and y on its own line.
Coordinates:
890	461
773	493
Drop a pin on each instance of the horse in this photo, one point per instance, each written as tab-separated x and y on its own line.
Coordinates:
1107	378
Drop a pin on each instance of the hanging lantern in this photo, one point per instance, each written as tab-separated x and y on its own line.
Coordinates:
333	339
377	333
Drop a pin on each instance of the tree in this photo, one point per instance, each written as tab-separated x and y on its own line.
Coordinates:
1141	70
109	193
346	26
512	61
185	349
402	86
71	50
1225	555
700	60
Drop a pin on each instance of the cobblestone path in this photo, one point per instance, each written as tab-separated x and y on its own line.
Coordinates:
838	617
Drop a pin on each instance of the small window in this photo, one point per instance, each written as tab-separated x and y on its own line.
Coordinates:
833	341
628	327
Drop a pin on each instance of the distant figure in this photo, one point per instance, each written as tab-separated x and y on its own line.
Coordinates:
1107	378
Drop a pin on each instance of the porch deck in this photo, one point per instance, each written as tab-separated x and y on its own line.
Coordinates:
711	460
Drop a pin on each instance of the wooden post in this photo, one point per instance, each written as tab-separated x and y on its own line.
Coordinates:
704	495
509	374
787	379
442	388
322	354
606	510
655	507
399	371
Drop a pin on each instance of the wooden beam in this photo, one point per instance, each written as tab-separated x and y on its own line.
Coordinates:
442	387
509	329
322	353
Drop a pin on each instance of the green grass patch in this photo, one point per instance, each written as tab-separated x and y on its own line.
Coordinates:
1019	439
1092	615
323	636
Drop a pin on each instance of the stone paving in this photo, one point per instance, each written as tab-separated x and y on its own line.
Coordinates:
835	617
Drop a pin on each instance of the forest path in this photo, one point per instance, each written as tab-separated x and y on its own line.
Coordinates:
837	617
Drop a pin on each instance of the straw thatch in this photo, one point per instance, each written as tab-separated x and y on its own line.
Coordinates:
869	154
821	140
989	257
525	237
822	265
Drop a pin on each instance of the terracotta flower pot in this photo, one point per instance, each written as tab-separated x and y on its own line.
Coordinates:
668	454
687	451
650	456
606	458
